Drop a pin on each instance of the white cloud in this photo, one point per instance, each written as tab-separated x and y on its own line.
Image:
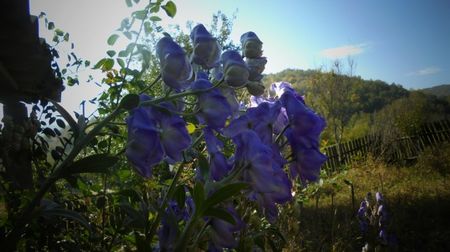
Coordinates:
425	71
343	51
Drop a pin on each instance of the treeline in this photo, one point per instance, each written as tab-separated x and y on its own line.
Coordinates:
354	107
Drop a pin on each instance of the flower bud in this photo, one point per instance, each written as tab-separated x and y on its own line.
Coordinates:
255	88
176	69
256	67
251	45
235	71
206	49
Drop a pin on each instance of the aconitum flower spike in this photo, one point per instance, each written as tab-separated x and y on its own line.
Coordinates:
235	71
176	69
206	49
251	45
255	88
152	134
214	107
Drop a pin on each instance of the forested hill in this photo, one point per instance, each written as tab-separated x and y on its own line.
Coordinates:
370	95
440	91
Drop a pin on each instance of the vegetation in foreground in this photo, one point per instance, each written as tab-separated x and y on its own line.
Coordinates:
323	218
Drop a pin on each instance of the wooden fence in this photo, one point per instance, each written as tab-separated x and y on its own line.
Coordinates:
395	150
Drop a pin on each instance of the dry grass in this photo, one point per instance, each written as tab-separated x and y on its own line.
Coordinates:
418	200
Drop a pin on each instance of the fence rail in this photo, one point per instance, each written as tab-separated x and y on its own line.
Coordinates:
405	148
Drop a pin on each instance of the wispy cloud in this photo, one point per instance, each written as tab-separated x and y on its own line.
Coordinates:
425	71
343	51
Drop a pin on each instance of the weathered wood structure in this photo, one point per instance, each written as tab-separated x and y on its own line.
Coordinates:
26	75
401	149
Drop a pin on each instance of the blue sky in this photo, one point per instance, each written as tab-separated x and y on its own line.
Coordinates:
406	42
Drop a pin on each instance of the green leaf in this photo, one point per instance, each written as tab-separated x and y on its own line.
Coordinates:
224	193
66	37
65	213
155	18
180	196
111	53
141	15
148	27
69	119
170	8
51	26
120	62
129	3
204	166
128	35
130	101
59	32
220	214
99	64
199	195
97	163
112	39
108	65
123	53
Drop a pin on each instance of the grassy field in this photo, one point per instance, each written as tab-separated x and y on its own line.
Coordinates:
417	198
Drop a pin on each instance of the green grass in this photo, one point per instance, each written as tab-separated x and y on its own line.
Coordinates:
417	197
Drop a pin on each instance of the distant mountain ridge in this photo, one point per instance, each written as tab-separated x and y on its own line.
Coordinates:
439	91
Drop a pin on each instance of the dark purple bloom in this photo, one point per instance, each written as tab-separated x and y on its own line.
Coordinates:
235	72
303	136
152	134
251	45
255	88
176	69
222	235
214	107
262	171
379	197
219	166
169	232
206	49
256	67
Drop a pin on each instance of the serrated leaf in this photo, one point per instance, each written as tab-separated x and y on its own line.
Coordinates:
111	53
155	18
170	8
224	193
98	163
112	39
220	214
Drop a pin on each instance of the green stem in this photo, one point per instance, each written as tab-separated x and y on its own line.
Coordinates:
175	96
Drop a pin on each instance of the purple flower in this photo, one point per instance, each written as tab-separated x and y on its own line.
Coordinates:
214	107
263	171
176	69
152	134
256	67
235	72
219	166
222	235
303	136
168	232
206	49
251	45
